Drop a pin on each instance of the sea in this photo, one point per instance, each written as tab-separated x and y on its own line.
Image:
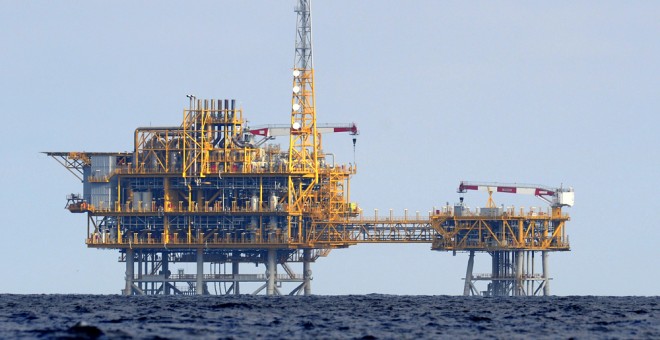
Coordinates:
372	316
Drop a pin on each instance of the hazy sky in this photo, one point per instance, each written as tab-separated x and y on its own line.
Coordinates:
550	93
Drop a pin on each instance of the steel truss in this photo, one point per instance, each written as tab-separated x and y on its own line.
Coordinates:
514	273
148	271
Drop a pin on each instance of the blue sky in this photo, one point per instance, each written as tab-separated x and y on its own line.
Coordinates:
442	92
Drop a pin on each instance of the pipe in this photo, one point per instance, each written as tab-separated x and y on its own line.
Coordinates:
271	271
166	270
199	288
129	272
546	273
519	274
307	272
235	272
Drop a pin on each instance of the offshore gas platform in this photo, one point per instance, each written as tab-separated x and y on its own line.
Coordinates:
213	190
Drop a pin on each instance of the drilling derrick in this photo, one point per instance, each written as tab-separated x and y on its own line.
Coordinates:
213	190
303	143
303	149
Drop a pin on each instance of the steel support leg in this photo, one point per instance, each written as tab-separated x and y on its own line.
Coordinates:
235	272
199	287
271	271
518	284
546	274
468	274
307	272
129	272
165	268
495	284
139	266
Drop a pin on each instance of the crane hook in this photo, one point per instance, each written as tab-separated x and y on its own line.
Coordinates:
354	140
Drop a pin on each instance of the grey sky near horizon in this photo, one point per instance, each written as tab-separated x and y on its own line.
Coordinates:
549	93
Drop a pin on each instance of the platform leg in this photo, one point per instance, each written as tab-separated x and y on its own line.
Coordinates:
199	287
546	274
468	275
235	272
271	271
165	260
129	272
307	272
518	283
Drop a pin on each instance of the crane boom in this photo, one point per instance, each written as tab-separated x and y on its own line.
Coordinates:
285	130
556	197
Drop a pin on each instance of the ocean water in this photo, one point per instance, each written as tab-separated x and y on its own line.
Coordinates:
327	317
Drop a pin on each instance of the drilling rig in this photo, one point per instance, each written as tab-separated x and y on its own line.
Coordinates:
213	190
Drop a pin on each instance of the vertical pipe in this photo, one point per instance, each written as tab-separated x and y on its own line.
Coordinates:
234	271
129	272
146	269
499	270
494	273
167	202
504	271
271	271
533	273
199	287
261	193
526	273
468	274
519	273
505	266
307	272
139	265
546	273
165	268
227	109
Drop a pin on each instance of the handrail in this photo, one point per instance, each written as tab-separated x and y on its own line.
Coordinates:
256	167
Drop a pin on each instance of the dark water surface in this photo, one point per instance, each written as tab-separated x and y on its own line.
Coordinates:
331	317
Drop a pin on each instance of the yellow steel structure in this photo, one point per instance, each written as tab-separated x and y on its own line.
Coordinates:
207	191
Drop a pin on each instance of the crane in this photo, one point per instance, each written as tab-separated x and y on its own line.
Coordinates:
556	197
272	131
